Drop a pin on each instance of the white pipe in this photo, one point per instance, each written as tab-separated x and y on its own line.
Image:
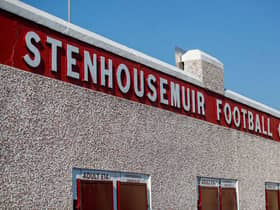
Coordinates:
69	11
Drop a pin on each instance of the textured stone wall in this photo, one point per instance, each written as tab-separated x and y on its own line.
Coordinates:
48	127
212	76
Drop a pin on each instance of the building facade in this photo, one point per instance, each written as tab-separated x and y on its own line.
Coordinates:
84	118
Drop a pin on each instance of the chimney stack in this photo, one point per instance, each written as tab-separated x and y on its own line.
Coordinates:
205	67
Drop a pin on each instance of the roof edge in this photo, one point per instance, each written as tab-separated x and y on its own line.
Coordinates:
252	103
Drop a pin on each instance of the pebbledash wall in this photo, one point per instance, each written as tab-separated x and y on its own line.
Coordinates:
49	126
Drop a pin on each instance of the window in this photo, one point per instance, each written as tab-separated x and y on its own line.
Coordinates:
272	196
217	194
108	190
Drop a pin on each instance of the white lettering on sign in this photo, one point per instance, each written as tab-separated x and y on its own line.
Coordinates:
151	80
254	122
168	92
258	124
244	113
187	107
193	101
35	62
122	69
218	108
162	86
71	61
209	182
250	121
138	93
236	116
175	95
264	131
91	66
200	103
106	71
97	176
268	128
54	45
227	113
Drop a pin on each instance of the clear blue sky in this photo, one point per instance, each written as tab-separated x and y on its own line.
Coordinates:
243	34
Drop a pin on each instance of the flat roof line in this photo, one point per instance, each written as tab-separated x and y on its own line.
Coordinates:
252	103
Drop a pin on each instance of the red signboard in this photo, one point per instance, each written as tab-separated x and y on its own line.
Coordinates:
37	49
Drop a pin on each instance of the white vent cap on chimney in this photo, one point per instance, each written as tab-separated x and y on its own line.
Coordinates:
192	55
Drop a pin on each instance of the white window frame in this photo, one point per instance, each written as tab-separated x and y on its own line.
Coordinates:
114	176
218	182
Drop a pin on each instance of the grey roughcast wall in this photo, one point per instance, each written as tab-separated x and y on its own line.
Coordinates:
48	127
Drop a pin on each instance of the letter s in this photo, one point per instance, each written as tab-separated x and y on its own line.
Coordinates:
37	57
152	96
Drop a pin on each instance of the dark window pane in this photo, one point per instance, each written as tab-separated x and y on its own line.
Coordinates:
96	195
229	199
132	196
209	198
272	199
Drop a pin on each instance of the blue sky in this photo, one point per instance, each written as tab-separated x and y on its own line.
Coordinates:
244	35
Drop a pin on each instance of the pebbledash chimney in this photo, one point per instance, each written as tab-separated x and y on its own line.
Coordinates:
205	67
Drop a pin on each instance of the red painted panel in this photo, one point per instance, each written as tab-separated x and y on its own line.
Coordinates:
9	35
199	204
209	198
266	200
228	199
96	195
78	202
132	196
12	39
272	200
